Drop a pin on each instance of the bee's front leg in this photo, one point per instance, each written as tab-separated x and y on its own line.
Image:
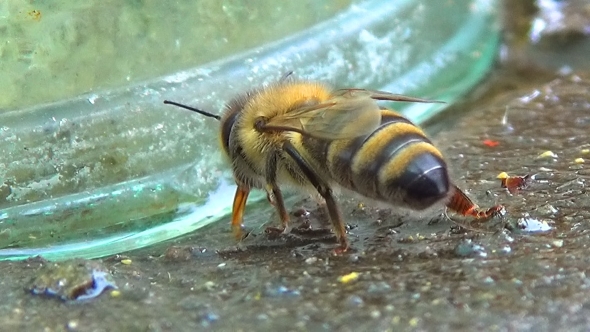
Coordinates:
238	207
274	194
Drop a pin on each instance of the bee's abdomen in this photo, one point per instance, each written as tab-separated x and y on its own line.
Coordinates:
423	181
396	164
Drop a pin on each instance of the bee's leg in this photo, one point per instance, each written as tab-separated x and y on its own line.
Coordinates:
270	196
238	208
273	192
325	191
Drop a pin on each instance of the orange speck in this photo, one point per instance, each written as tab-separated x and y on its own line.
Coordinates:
490	143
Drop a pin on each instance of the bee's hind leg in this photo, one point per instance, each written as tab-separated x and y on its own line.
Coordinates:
325	191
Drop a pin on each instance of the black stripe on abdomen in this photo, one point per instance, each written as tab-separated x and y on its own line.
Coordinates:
367	177
342	152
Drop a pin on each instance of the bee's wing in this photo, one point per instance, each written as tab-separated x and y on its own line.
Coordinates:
381	95
342	117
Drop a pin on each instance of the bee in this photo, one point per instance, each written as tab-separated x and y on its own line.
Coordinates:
306	135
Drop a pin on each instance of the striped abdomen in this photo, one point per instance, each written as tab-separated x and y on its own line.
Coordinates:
395	164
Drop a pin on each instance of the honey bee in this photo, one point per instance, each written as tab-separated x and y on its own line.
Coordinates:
306	135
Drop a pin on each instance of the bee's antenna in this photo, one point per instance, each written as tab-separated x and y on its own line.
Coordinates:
286	76
211	115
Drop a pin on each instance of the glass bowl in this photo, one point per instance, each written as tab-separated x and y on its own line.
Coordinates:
113	169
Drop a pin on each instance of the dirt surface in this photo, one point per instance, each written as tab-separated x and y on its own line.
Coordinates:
405	271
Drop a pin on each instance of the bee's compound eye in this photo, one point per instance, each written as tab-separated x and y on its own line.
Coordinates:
428	181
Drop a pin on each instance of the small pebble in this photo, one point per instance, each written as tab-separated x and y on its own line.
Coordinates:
208	318
311	260
280	290
375	314
353	258
355	301
178	253
72	325
380	287
547	154
488	280
468	248
74	280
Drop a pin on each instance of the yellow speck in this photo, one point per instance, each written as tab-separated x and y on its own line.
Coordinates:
502	175
548	154
348	277
585	151
126	261
257	296
35	14
361	205
413	322
115	293
579	160
395	320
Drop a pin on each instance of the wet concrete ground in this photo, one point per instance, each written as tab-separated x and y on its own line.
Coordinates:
405	272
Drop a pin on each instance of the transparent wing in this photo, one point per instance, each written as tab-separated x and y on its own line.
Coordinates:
382	95
342	117
350	113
